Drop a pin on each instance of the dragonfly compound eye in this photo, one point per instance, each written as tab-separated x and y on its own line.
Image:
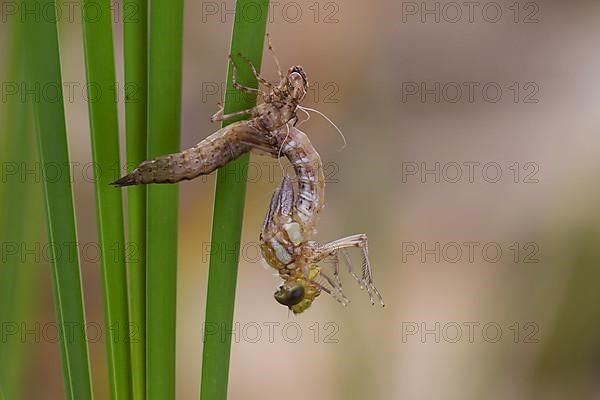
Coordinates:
290	295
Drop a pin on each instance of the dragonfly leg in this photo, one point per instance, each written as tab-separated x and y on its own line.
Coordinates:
334	292
336	271
270	47
258	77
336	285
365	279
349	265
240	87
220	116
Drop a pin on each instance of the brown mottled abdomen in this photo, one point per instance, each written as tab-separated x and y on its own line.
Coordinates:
215	151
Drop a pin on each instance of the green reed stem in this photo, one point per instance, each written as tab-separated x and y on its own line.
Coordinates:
43	64
135	49
20	213
164	107
102	106
247	39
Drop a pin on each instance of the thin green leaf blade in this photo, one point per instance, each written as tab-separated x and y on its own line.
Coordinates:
102	106
43	65
247	39
164	108
135	49
20	213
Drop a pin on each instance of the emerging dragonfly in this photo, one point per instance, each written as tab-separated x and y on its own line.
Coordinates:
290	220
288	226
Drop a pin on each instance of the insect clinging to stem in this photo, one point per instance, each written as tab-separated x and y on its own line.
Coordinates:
292	217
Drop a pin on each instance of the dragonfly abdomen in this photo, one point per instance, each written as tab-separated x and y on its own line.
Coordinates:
309	176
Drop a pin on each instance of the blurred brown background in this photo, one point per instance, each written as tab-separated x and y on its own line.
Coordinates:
490	280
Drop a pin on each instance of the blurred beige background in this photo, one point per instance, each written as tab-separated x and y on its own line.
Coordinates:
456	326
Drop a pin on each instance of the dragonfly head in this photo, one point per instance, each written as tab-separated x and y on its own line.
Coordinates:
297	82
298	293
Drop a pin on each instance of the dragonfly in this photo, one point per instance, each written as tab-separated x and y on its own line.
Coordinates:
289	225
271	128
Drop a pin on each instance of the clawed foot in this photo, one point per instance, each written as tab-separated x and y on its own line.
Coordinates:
218	116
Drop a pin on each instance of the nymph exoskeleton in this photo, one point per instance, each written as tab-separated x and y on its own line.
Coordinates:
279	107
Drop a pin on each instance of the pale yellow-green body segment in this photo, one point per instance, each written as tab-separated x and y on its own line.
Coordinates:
289	225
